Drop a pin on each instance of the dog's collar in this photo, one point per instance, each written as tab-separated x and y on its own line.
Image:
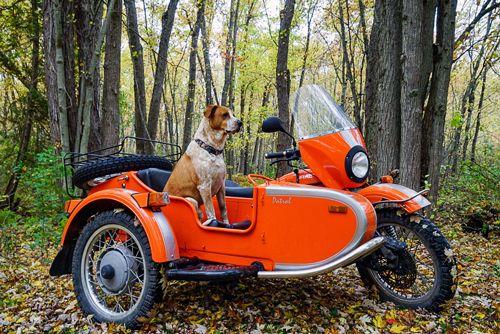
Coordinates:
208	148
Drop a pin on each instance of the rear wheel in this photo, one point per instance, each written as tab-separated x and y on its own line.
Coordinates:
425	275
114	276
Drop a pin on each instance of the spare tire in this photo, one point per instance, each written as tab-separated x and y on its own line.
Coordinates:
104	167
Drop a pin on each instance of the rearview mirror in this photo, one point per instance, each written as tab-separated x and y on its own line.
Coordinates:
272	124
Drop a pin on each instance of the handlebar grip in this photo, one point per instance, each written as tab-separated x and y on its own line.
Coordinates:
284	154
275	155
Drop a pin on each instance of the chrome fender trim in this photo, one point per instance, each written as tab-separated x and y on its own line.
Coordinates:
345	260
167	235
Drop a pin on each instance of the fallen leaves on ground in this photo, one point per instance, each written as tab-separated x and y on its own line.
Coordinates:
32	302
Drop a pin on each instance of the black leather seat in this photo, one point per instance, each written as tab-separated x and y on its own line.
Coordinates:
156	179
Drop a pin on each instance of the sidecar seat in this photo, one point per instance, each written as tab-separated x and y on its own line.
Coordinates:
156	179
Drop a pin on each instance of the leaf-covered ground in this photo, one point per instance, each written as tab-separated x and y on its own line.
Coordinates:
32	302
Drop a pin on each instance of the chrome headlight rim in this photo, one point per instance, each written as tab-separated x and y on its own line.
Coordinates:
349	164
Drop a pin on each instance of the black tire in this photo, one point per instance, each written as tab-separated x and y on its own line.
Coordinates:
104	167
111	243
413	286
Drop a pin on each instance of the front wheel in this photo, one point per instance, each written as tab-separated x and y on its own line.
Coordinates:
424	273
114	276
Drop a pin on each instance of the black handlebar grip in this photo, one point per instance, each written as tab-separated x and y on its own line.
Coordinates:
275	155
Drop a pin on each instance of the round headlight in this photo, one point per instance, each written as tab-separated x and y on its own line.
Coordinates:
357	164
360	164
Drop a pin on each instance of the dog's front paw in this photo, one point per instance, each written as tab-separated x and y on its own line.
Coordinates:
207	222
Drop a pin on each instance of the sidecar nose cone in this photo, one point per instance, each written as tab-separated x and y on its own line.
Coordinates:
108	272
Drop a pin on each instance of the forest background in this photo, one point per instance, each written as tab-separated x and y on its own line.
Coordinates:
418	77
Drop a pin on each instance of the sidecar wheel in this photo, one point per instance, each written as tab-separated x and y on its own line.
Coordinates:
114	276
426	275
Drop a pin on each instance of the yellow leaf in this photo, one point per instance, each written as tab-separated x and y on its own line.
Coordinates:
378	321
397	329
415	330
22	319
391	315
478	315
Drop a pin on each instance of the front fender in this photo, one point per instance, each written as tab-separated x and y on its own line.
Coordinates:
395	192
160	234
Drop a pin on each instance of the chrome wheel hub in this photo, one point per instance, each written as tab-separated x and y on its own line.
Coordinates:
114	270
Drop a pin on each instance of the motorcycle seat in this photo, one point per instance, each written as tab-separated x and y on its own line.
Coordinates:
156	179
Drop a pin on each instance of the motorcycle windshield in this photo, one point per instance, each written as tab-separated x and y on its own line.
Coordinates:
316	113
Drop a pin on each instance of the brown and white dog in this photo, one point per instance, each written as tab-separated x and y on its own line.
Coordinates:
201	171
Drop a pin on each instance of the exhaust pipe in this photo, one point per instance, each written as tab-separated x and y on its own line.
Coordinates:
345	260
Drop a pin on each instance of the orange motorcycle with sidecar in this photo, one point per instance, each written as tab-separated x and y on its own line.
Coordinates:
125	230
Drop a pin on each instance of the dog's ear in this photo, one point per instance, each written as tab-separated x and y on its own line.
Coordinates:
210	109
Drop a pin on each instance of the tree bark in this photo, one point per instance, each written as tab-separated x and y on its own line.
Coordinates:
137	56
438	96
227	55
348	68
411	107
154	108
282	79
478	120
11	188
188	119
61	85
208	67
111	86
90	84
68	33
383	88
49	50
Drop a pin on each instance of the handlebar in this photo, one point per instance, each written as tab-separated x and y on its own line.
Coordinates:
285	154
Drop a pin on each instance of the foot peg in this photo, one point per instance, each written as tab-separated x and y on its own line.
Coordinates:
236	226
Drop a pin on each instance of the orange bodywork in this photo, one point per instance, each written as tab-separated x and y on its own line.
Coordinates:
293	225
323	154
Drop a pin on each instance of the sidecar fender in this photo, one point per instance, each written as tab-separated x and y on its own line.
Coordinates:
395	192
160	234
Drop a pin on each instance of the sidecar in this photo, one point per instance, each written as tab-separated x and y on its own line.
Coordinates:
125	233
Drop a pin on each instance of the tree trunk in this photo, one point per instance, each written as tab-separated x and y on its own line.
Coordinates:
383	88
154	108
411	107
137	56
90	85
227	55
49	50
282	82
478	120
111	87
11	188
68	33
208	68
61	87
348	67
310	15
438	96
188	120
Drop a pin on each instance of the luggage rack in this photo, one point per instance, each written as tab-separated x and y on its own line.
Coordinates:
74	160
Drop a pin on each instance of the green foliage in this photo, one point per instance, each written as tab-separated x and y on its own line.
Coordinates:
474	194
40	217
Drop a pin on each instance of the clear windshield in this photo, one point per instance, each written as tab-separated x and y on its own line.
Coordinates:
316	113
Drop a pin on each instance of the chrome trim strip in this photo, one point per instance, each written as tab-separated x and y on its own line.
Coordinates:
168	236
423	192
422	201
345	260
361	219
